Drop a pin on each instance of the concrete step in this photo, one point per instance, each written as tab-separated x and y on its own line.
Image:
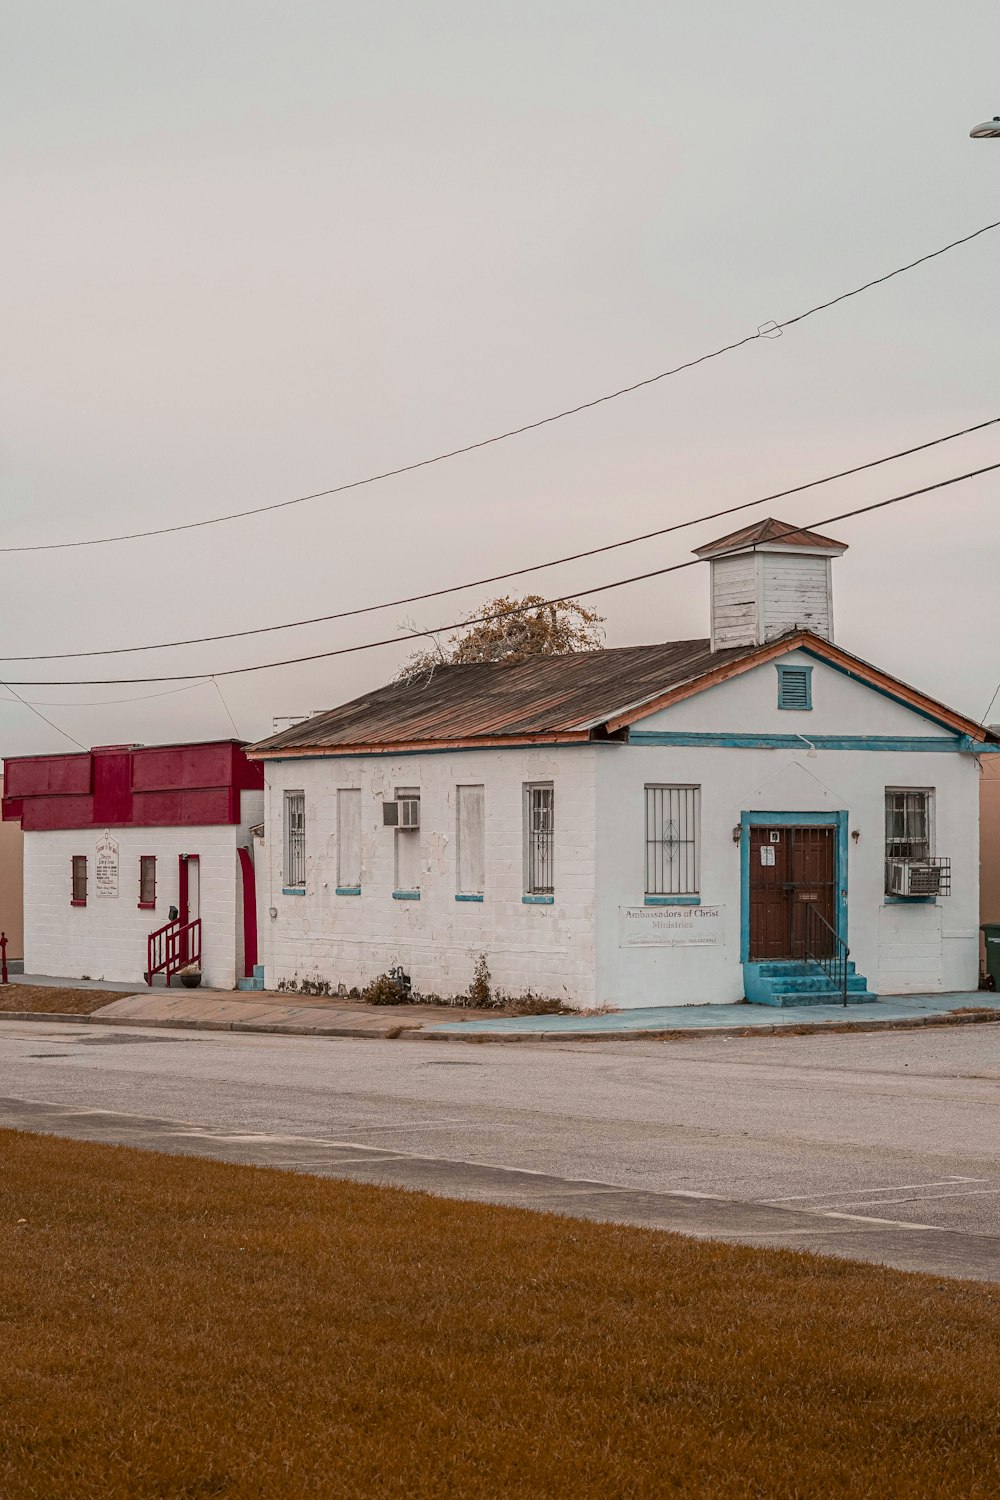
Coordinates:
815	997
792	969
814	982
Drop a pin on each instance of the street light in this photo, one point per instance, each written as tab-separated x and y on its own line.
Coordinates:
986	129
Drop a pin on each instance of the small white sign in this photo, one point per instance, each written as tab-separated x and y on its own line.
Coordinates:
766	854
106	881
670	926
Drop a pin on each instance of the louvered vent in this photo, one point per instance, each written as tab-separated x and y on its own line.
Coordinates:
794	687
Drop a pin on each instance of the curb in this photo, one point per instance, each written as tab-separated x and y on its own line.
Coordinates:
416	1033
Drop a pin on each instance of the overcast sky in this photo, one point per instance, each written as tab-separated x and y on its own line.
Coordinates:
254	250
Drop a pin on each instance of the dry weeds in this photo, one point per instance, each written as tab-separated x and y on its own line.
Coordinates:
182	1328
54	1000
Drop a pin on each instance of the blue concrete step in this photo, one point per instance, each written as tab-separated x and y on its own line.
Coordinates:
816	997
793	984
817	981
792	969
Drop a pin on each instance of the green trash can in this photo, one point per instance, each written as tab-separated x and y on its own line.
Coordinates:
991	932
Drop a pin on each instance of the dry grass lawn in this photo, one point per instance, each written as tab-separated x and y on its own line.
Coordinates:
174	1328
54	1000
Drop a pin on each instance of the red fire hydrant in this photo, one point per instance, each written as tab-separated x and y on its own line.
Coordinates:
3	958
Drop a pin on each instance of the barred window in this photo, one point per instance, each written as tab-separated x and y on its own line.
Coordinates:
908	822
673	852
539	838
295	839
78	885
147	880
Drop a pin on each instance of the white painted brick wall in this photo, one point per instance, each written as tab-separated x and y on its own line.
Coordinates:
351	939
106	939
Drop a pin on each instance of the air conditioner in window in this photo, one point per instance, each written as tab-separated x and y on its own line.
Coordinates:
403	813
918	877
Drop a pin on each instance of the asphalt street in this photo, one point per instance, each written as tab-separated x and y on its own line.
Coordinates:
879	1147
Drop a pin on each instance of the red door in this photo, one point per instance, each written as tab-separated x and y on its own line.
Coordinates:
790	868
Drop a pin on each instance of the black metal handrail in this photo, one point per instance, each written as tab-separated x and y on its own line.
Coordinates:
824	946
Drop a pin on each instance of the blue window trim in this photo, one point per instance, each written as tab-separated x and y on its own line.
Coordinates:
785	670
467	896
293	890
837	820
671	901
348	890
910	900
406	895
538	900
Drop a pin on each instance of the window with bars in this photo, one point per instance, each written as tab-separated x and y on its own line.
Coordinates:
147	880
78	886
539	838
673	853
908	830
295	840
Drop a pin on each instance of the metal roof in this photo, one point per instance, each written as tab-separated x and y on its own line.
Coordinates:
780	533
561	699
549	696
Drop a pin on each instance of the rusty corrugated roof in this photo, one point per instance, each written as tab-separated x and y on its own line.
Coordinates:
547	696
769	530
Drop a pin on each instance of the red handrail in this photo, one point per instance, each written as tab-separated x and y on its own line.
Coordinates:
173	947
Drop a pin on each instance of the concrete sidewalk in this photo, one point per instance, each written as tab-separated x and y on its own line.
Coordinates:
900	1012
218	1010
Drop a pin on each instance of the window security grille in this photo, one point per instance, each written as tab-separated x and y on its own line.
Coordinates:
673	856
79	885
794	687
295	838
539	839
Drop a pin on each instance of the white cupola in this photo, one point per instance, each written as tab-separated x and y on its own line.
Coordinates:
769	579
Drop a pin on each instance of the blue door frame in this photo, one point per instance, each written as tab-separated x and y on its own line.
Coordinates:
748	820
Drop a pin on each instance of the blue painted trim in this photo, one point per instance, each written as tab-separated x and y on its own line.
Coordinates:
784	669
671	901
464	896
712	741
258	972
348	890
924	713
406	895
538	900
910	900
750	820
293	890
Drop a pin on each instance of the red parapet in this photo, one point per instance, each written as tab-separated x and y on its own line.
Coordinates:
123	786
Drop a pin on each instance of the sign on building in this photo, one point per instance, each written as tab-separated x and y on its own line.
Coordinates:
106	881
670	926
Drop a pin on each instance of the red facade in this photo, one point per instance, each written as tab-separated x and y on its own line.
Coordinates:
119	786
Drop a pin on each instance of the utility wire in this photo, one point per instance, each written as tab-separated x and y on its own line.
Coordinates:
227	708
34	710
109	702
418	635
367	609
765	330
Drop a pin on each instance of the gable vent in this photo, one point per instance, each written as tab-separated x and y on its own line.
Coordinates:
794	687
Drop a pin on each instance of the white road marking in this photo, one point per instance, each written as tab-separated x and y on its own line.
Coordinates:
829	1213
898	1187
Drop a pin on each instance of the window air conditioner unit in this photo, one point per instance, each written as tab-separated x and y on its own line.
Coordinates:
403	813
916	877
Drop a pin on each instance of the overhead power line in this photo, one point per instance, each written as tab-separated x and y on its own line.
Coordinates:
765	330
66	736
456	588
419	635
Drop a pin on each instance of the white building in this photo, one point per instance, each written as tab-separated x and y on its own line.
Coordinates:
127	843
697	821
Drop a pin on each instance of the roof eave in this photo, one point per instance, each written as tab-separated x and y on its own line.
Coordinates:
825	651
411	747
